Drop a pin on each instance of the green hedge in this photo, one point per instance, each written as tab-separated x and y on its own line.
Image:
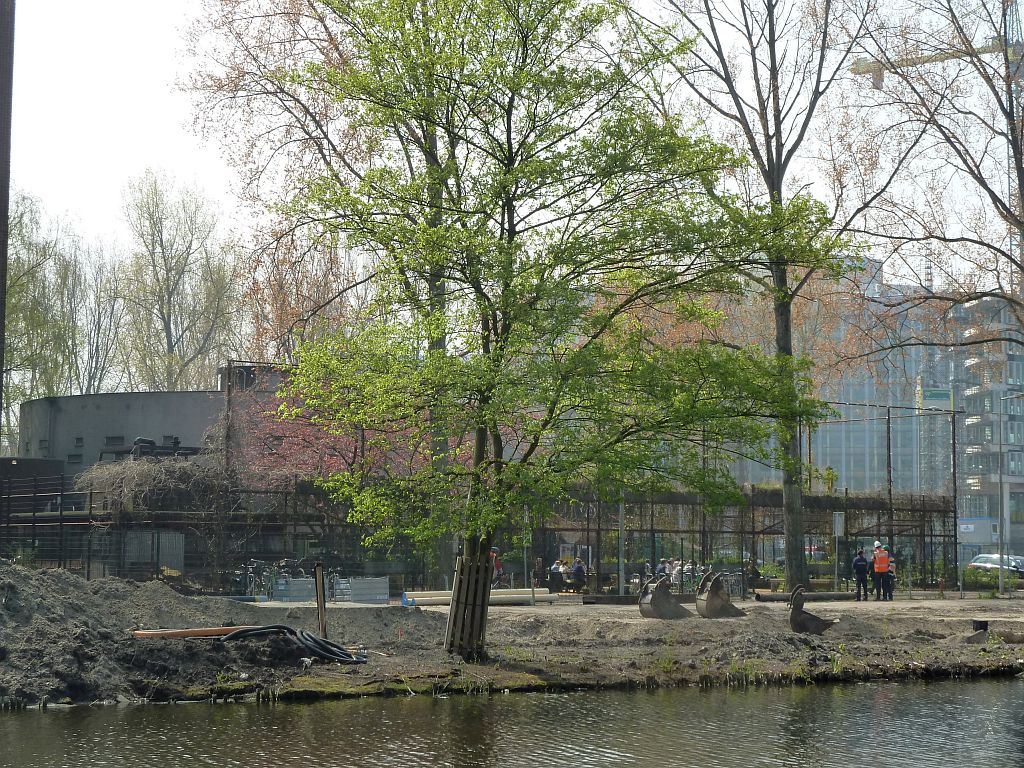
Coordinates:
976	578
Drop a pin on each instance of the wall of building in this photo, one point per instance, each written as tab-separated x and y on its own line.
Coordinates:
77	428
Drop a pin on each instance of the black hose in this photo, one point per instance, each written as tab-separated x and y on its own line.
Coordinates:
317	647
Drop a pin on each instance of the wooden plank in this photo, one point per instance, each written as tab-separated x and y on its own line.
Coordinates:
198	632
485	603
477	606
453	631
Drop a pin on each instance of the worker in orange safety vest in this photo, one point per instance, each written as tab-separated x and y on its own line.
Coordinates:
879	569
889	583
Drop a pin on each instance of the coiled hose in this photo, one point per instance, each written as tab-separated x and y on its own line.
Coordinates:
317	647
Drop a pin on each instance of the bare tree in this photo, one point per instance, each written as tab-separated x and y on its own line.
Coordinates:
282	134
762	70
178	288
86	305
295	292
953	228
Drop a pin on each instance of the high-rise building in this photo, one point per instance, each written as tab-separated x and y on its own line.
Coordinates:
989	387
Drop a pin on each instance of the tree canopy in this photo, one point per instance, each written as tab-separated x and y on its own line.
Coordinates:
527	213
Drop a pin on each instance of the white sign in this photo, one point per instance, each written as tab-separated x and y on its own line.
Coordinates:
966	527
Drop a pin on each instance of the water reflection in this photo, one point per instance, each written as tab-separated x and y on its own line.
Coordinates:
939	724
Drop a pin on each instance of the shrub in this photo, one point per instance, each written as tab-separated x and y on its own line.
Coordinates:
977	578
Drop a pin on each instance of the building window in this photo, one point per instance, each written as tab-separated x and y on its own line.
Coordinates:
976	505
1015	460
1015	433
982	463
74	458
1015	373
79	442
113	441
1016	507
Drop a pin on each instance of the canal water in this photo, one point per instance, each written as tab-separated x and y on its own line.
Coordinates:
888	724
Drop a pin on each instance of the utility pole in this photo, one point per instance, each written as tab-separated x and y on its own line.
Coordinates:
622	548
6	108
999	464
891	532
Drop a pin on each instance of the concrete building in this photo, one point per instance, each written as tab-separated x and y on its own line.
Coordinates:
989	386
78	428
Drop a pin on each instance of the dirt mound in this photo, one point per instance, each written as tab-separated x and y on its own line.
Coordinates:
68	640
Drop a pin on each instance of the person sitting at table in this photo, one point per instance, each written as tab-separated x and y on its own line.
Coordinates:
555	579
579	575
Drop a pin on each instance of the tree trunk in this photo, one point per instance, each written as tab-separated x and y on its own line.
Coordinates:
437	305
792	471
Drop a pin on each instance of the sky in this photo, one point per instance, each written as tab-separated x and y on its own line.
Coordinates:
97	101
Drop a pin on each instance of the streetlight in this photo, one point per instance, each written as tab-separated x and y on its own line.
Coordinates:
1002	502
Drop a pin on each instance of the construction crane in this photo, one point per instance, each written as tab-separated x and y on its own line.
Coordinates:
1011	45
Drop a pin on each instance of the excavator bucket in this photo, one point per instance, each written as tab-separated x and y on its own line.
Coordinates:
658	602
802	621
713	600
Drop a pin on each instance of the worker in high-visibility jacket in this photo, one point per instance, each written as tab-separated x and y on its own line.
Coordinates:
889	578
879	569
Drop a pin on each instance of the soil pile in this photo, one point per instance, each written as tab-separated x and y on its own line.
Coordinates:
68	640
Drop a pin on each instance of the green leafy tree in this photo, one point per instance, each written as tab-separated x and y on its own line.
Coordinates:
526	212
62	315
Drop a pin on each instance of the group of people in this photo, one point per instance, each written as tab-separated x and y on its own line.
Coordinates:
561	573
675	569
881	567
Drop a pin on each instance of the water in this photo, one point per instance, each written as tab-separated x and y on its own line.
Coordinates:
937	724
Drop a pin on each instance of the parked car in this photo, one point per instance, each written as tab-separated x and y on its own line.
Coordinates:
1014	565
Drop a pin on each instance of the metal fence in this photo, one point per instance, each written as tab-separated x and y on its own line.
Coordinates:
44	521
47	523
617	540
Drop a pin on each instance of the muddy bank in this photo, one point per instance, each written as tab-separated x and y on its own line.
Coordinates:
65	640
